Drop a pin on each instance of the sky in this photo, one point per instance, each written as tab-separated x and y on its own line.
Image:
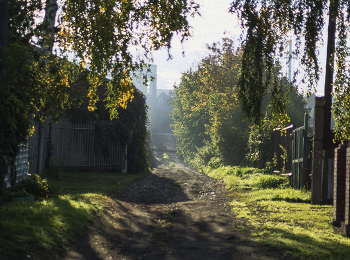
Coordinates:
207	29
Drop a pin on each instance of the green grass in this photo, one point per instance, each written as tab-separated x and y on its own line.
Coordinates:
281	217
40	226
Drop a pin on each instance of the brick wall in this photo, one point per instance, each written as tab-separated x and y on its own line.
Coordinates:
347	187
341	163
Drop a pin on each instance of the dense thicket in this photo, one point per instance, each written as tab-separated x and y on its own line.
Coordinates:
208	122
130	128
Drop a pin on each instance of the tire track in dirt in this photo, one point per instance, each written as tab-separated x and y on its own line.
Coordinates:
174	213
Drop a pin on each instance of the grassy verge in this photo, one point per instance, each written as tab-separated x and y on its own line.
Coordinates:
29	227
281	217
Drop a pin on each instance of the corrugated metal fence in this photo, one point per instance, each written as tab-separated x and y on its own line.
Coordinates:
72	148
66	147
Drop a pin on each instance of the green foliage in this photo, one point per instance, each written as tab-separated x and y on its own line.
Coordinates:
260	136
281	217
259	144
130	128
35	186
268	25
35	82
284	157
269	182
270	166
108	49
207	156
206	113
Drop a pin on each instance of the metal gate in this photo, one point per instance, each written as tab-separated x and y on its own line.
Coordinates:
300	157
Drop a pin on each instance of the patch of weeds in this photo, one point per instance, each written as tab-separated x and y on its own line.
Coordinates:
34	186
171	165
269	182
165	156
285	194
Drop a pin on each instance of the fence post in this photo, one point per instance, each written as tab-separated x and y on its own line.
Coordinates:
126	160
41	134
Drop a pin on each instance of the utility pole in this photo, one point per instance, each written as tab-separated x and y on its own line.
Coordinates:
290	57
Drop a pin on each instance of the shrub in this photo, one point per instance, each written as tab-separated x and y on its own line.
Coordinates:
34	185
269	182
259	144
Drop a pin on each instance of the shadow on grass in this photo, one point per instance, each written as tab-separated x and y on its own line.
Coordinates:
40	226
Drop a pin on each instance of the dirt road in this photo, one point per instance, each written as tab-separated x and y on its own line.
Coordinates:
174	213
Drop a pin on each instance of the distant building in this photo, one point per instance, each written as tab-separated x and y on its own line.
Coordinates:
157	99
146	80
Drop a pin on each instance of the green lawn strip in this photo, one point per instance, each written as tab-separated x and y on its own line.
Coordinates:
282	217
29	227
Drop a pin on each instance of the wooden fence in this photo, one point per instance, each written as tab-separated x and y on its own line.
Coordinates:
66	147
284	140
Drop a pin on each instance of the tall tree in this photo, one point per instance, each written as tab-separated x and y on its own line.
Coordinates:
100	32
268	26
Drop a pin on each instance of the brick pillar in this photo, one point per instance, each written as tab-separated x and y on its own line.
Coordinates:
317	151
339	184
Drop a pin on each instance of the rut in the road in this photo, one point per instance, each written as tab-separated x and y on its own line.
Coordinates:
174	213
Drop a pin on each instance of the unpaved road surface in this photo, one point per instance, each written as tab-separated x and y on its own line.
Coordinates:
174	213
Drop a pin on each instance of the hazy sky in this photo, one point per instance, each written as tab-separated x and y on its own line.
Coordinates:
207	29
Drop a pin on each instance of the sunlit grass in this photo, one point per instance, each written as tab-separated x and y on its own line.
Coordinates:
29	227
282	217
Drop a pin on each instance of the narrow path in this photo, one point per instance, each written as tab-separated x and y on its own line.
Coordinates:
175	213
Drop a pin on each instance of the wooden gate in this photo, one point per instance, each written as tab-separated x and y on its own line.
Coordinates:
300	157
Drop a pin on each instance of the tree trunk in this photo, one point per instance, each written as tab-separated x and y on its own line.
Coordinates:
4	7
320	192
49	22
328	88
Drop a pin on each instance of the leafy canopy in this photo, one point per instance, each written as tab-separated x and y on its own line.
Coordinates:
208	122
206	114
268	26
34	82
